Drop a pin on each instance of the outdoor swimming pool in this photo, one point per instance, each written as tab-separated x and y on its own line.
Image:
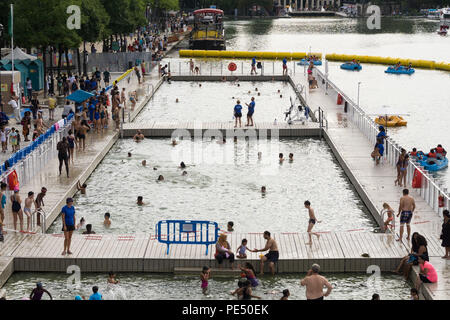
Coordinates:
223	183
213	101
141	286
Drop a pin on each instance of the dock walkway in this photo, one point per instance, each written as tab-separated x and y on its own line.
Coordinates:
375	184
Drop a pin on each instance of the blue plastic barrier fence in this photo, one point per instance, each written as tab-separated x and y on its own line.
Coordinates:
187	232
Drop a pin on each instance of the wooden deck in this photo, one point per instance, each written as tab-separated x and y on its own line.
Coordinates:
227	129
334	252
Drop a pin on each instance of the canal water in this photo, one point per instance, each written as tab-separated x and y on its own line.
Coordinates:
142	286
423	98
222	184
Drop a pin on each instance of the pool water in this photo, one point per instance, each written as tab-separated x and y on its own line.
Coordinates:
144	286
215	101
223	183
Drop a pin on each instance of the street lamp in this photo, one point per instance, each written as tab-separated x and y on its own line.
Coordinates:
1	34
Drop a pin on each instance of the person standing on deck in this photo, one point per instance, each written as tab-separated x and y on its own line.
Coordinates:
406	210
285	70
445	235
314	284
68	220
40	203
272	256
253	66
251	110
312	221
238	114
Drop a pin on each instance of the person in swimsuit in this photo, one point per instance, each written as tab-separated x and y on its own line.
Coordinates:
250	274
29	201
68	220
403	168
286	294
204	276
406	210
17	209
112	278
314	284
103	119
242	249
291	157
63	155
97	121
390	216
40	203
399	165
138	136
247	293
312	221
3	139
81	188
71	141
82	130
107	222
237	114
38	292
272	256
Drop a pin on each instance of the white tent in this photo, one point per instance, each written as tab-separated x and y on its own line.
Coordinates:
19	55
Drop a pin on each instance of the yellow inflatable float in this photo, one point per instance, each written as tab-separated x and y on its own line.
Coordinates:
391	121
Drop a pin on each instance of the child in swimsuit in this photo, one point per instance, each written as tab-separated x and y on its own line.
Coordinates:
250	274
242	248
204	276
390	216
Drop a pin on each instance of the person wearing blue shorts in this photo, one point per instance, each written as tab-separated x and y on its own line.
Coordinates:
251	110
405	211
238	114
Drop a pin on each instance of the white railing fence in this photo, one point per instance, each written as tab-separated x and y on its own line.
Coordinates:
430	189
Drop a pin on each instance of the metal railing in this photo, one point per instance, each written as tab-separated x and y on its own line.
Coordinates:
430	189
220	68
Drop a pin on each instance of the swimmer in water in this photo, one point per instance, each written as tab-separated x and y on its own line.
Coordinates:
259	155
155	168
312	221
279	91
256	89
81	188
176	100
144	163
182	165
184	173
81	224
259	93
107	222
160	178
112	278
138	136
263	189
38	292
281	158
204	276
286	294
174	142
291	157
129	154
281	96
139	201
230	226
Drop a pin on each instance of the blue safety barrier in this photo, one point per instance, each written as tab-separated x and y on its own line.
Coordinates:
187	232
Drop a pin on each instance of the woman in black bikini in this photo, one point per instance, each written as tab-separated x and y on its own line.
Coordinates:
17	209
63	155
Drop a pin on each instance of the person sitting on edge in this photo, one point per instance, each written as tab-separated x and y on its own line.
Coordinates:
112	278
89	229
272	256
139	201
81	188
230	225
107	221
242	249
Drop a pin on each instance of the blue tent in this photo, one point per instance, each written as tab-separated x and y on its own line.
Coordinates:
80	96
